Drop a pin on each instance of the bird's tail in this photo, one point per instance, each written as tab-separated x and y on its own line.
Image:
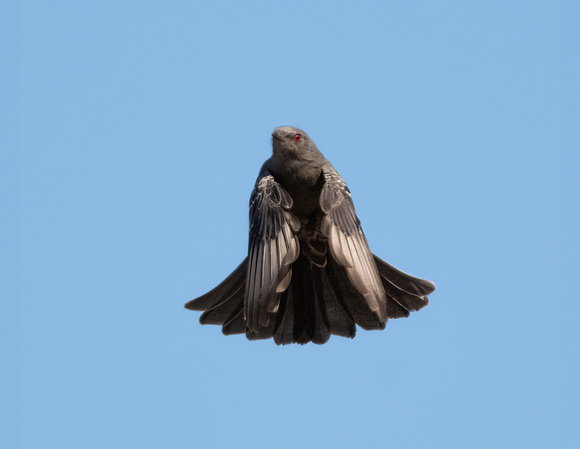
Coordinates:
224	305
310	309
405	293
318	303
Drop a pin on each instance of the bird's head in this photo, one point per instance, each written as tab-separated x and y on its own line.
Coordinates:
288	141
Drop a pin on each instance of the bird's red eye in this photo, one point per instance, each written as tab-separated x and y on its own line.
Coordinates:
297	137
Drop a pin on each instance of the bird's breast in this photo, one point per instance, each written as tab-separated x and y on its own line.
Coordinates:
303	180
305	193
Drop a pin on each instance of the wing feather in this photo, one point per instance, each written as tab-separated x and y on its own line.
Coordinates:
272	248
348	244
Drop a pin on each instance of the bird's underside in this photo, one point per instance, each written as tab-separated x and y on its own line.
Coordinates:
309	273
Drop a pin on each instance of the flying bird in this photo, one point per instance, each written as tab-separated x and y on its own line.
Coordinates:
309	273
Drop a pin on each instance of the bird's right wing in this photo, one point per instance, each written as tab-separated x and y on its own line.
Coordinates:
272	248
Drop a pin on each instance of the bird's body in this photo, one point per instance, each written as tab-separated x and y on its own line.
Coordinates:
309	271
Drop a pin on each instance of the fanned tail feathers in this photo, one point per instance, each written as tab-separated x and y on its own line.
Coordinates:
405	293
319	302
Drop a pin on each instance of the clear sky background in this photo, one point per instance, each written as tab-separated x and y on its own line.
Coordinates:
140	128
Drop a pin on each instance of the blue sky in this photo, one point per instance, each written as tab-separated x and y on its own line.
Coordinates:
140	129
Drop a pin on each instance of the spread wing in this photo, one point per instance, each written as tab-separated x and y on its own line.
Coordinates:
272	248
348	244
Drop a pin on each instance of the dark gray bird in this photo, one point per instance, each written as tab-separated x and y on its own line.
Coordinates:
309	273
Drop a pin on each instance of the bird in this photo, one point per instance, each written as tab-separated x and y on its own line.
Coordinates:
309	272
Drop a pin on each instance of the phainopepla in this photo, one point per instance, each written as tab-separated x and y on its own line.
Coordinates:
309	272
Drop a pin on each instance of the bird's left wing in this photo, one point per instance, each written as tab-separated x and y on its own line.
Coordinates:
349	246
272	248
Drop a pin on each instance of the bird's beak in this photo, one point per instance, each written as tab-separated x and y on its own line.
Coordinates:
276	136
